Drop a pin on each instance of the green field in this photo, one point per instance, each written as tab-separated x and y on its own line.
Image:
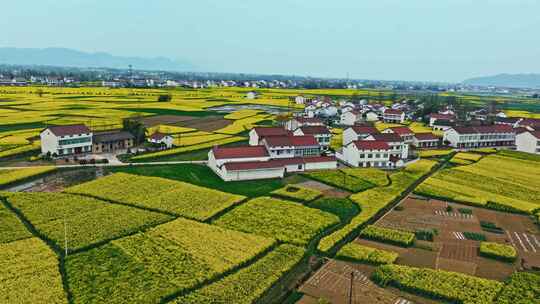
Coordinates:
155	265
265	216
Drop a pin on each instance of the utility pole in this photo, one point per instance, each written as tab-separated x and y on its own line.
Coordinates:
351	288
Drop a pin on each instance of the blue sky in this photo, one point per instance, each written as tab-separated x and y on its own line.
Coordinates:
436	40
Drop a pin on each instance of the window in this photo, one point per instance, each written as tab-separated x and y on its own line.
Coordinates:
362	155
74	141
377	155
370	155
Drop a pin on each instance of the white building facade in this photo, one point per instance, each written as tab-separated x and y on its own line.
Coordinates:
529	142
66	140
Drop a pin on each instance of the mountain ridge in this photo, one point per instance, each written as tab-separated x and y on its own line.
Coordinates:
66	57
531	80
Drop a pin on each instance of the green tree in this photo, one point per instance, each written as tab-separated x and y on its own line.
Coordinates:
164	98
134	126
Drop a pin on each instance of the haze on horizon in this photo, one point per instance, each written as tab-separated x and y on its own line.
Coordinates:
446	40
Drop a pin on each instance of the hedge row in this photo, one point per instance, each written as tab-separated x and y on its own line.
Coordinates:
390	236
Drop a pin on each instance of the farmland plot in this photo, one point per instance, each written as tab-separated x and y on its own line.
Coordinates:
12	176
29	273
250	283
11	229
266	216
88	220
166	260
510	182
160	194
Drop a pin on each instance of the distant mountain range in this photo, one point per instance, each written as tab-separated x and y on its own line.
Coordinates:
63	57
507	80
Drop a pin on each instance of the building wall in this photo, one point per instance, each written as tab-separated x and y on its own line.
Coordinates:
321	166
348	119
253	138
349	135
351	155
53	144
526	142
252	174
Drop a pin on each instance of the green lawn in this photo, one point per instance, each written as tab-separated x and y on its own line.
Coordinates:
202	176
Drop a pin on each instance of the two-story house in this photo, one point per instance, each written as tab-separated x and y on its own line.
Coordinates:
473	137
358	132
528	141
66	140
367	153
321	134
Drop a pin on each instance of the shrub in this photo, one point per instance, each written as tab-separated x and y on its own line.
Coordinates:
491	227
386	235
465	210
426	235
363	254
498	251
474	236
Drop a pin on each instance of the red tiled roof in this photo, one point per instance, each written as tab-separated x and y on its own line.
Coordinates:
239	152
402	130
484	129
521	130
302	141
393	111
315	130
270	131
291	141
308	120
69	130
371	145
254	165
387	137
442	116
531	122
364	129
426	136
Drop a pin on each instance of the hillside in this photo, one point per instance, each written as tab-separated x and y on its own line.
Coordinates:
507	80
63	57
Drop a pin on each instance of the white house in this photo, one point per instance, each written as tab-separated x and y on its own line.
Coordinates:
350	118
258	133
366	153
355	133
398	148
256	162
393	116
426	140
321	134
292	146
161	138
480	136
529	142
371	116
300	99
405	133
298	122
251	95
66	140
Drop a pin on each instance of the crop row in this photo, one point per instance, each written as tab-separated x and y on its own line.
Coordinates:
250	283
30	273
161	194
386	235
438	284
156	265
84	220
363	254
287	221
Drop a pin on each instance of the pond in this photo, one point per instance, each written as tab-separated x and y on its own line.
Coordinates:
236	107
